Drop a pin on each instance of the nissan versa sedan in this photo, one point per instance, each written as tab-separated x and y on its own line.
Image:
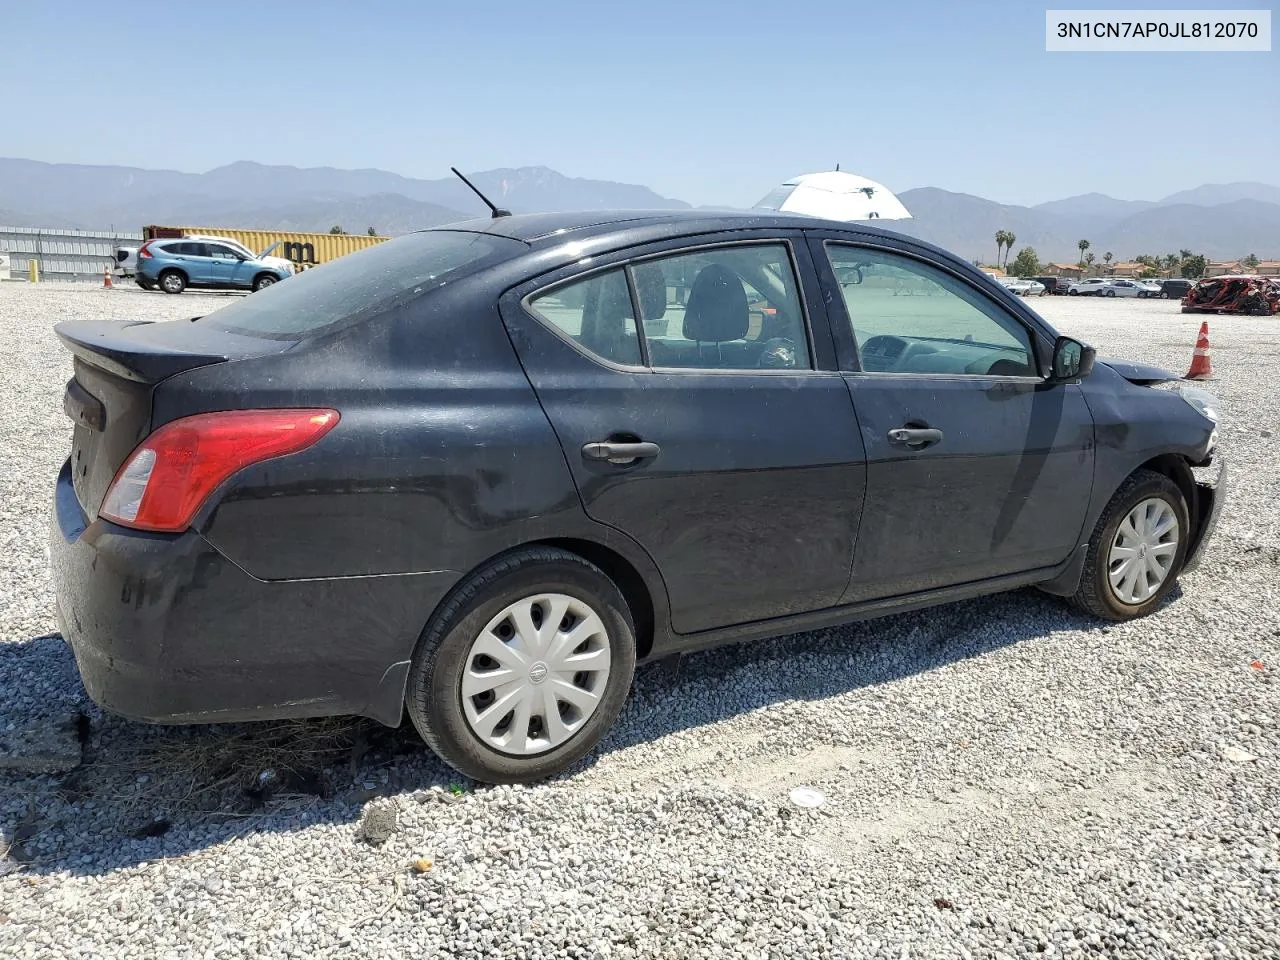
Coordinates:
477	473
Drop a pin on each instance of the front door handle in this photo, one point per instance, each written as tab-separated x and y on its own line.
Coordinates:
617	452
917	437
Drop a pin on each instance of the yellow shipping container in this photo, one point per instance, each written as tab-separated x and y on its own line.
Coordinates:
304	249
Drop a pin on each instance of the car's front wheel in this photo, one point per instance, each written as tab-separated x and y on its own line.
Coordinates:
262	281
525	667
1137	549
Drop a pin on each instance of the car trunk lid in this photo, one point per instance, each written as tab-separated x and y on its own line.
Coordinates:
117	366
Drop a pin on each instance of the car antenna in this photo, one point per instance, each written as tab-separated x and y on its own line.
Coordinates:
497	211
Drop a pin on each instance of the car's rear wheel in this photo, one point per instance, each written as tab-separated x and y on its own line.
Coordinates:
525	667
1137	549
263	280
172	281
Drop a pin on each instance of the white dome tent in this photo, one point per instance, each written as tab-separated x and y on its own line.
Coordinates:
835	195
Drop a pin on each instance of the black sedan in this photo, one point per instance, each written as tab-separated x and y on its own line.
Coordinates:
477	473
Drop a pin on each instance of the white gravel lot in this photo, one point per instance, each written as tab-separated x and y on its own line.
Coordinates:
1003	777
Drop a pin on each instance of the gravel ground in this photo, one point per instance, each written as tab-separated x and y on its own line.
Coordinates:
1002	777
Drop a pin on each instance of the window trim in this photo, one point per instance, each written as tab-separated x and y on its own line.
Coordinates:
626	263
1033	335
526	304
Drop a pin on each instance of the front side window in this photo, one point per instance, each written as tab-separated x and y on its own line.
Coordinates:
596	314
909	317
735	307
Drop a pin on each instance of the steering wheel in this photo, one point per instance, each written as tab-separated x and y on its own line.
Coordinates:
778	354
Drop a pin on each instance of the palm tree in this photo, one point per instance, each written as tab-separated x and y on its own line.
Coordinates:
1001	237
1184	254
1106	258
1009	238
1083	245
1089	258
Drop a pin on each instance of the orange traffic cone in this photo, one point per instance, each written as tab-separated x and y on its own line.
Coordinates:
106	278
1201	365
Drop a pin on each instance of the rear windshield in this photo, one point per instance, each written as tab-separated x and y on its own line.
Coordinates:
361	284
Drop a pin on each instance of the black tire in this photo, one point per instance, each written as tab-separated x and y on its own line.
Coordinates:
433	696
263	280
1073	293
173	281
1111	293
145	284
1094	594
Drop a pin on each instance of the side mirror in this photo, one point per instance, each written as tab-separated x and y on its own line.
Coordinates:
1072	360
850	276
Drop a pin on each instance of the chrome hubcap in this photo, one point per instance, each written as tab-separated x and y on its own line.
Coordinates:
1142	554
535	674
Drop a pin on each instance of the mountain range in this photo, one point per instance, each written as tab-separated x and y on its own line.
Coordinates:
1219	220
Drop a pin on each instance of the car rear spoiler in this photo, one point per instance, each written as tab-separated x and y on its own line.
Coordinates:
126	350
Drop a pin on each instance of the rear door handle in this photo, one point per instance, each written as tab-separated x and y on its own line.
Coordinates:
615	452
915	436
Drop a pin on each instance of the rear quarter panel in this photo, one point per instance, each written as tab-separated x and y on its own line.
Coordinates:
442	457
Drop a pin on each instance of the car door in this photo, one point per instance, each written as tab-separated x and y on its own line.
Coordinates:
193	256
976	467
226	267
717	433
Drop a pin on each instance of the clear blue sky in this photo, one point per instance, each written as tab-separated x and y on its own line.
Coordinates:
710	103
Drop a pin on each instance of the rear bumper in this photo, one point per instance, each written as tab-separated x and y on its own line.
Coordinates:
1211	496
166	629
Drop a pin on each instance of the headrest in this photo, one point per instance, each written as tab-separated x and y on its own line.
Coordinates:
717	307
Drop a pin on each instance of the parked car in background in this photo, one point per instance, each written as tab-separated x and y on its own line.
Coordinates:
1056	286
126	264
208	263
266	256
1086	288
1147	288
1021	286
1120	288
452	476
1175	289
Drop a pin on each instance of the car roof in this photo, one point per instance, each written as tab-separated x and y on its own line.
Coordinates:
535	227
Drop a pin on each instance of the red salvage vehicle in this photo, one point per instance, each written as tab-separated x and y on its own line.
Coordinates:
1247	294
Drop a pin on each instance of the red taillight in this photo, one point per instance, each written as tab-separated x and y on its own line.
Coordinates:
143	252
171	473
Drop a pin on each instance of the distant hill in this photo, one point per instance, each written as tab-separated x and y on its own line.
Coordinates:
258	195
1220	220
966	225
1096	207
1213	194
1228	230
390	214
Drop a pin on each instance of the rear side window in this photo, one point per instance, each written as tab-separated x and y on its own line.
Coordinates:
733	307
726	307
595	313
361	284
